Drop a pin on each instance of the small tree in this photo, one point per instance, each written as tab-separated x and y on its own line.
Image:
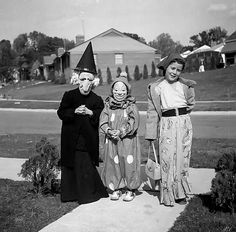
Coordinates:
127	71
136	73
223	186
42	169
153	73
145	72
109	77
118	71
100	77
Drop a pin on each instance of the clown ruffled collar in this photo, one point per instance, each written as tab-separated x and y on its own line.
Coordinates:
114	104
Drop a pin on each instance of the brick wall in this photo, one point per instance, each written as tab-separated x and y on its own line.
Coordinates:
105	60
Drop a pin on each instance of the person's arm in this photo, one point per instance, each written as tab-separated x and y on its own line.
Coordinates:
191	99
152	118
95	112
104	122
66	111
132	124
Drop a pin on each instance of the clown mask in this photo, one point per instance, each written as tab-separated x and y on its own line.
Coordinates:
119	91
85	82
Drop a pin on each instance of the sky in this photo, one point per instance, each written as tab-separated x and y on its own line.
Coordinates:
148	18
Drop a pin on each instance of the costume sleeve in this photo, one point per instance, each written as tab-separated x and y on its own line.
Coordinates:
66	111
152	118
130	126
190	98
97	109
104	121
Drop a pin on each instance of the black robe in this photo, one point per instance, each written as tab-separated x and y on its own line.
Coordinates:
80	148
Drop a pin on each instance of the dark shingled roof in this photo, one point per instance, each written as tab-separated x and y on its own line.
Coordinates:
230	44
229	47
231	37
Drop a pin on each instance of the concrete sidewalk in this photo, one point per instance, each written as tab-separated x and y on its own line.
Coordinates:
143	214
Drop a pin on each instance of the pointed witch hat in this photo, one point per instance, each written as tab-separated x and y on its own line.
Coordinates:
86	62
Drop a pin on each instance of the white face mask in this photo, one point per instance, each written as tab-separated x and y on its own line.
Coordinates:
119	91
85	82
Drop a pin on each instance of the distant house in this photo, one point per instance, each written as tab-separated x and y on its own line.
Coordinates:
56	66
62	65
218	48
48	66
230	49
205	57
114	49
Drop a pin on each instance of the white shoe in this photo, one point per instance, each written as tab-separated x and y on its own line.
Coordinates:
116	195
129	196
157	185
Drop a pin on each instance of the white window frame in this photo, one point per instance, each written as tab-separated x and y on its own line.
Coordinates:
119	58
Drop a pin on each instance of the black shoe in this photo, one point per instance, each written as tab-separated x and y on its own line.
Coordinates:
181	201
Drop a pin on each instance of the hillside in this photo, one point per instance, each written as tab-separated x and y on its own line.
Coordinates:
215	85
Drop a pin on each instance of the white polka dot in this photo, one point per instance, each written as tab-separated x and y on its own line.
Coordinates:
116	159
130	159
111	186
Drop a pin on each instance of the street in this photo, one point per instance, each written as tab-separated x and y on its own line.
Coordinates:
205	124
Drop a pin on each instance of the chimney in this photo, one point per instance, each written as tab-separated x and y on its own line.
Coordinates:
79	39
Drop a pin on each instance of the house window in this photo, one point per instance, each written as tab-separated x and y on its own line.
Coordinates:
95	58
118	59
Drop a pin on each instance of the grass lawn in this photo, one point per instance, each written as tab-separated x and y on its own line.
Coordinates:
205	152
216	85
23	211
197	217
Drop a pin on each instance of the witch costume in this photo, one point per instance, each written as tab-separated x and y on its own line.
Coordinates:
80	180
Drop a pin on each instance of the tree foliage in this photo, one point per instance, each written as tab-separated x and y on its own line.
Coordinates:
109	77
153	72
209	37
118	71
42	169
100	77
127	71
136	37
165	44
137	75
224	184
7	57
35	45
145	72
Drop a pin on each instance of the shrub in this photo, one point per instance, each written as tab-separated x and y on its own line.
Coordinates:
127	71
109	77
136	73
42	169
223	188
227	161
60	79
100	77
118	71
145	72
153	73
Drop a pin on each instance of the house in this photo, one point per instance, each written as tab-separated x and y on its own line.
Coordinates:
230	49
62	64
203	58
48	66
115	50
56	66
218	48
